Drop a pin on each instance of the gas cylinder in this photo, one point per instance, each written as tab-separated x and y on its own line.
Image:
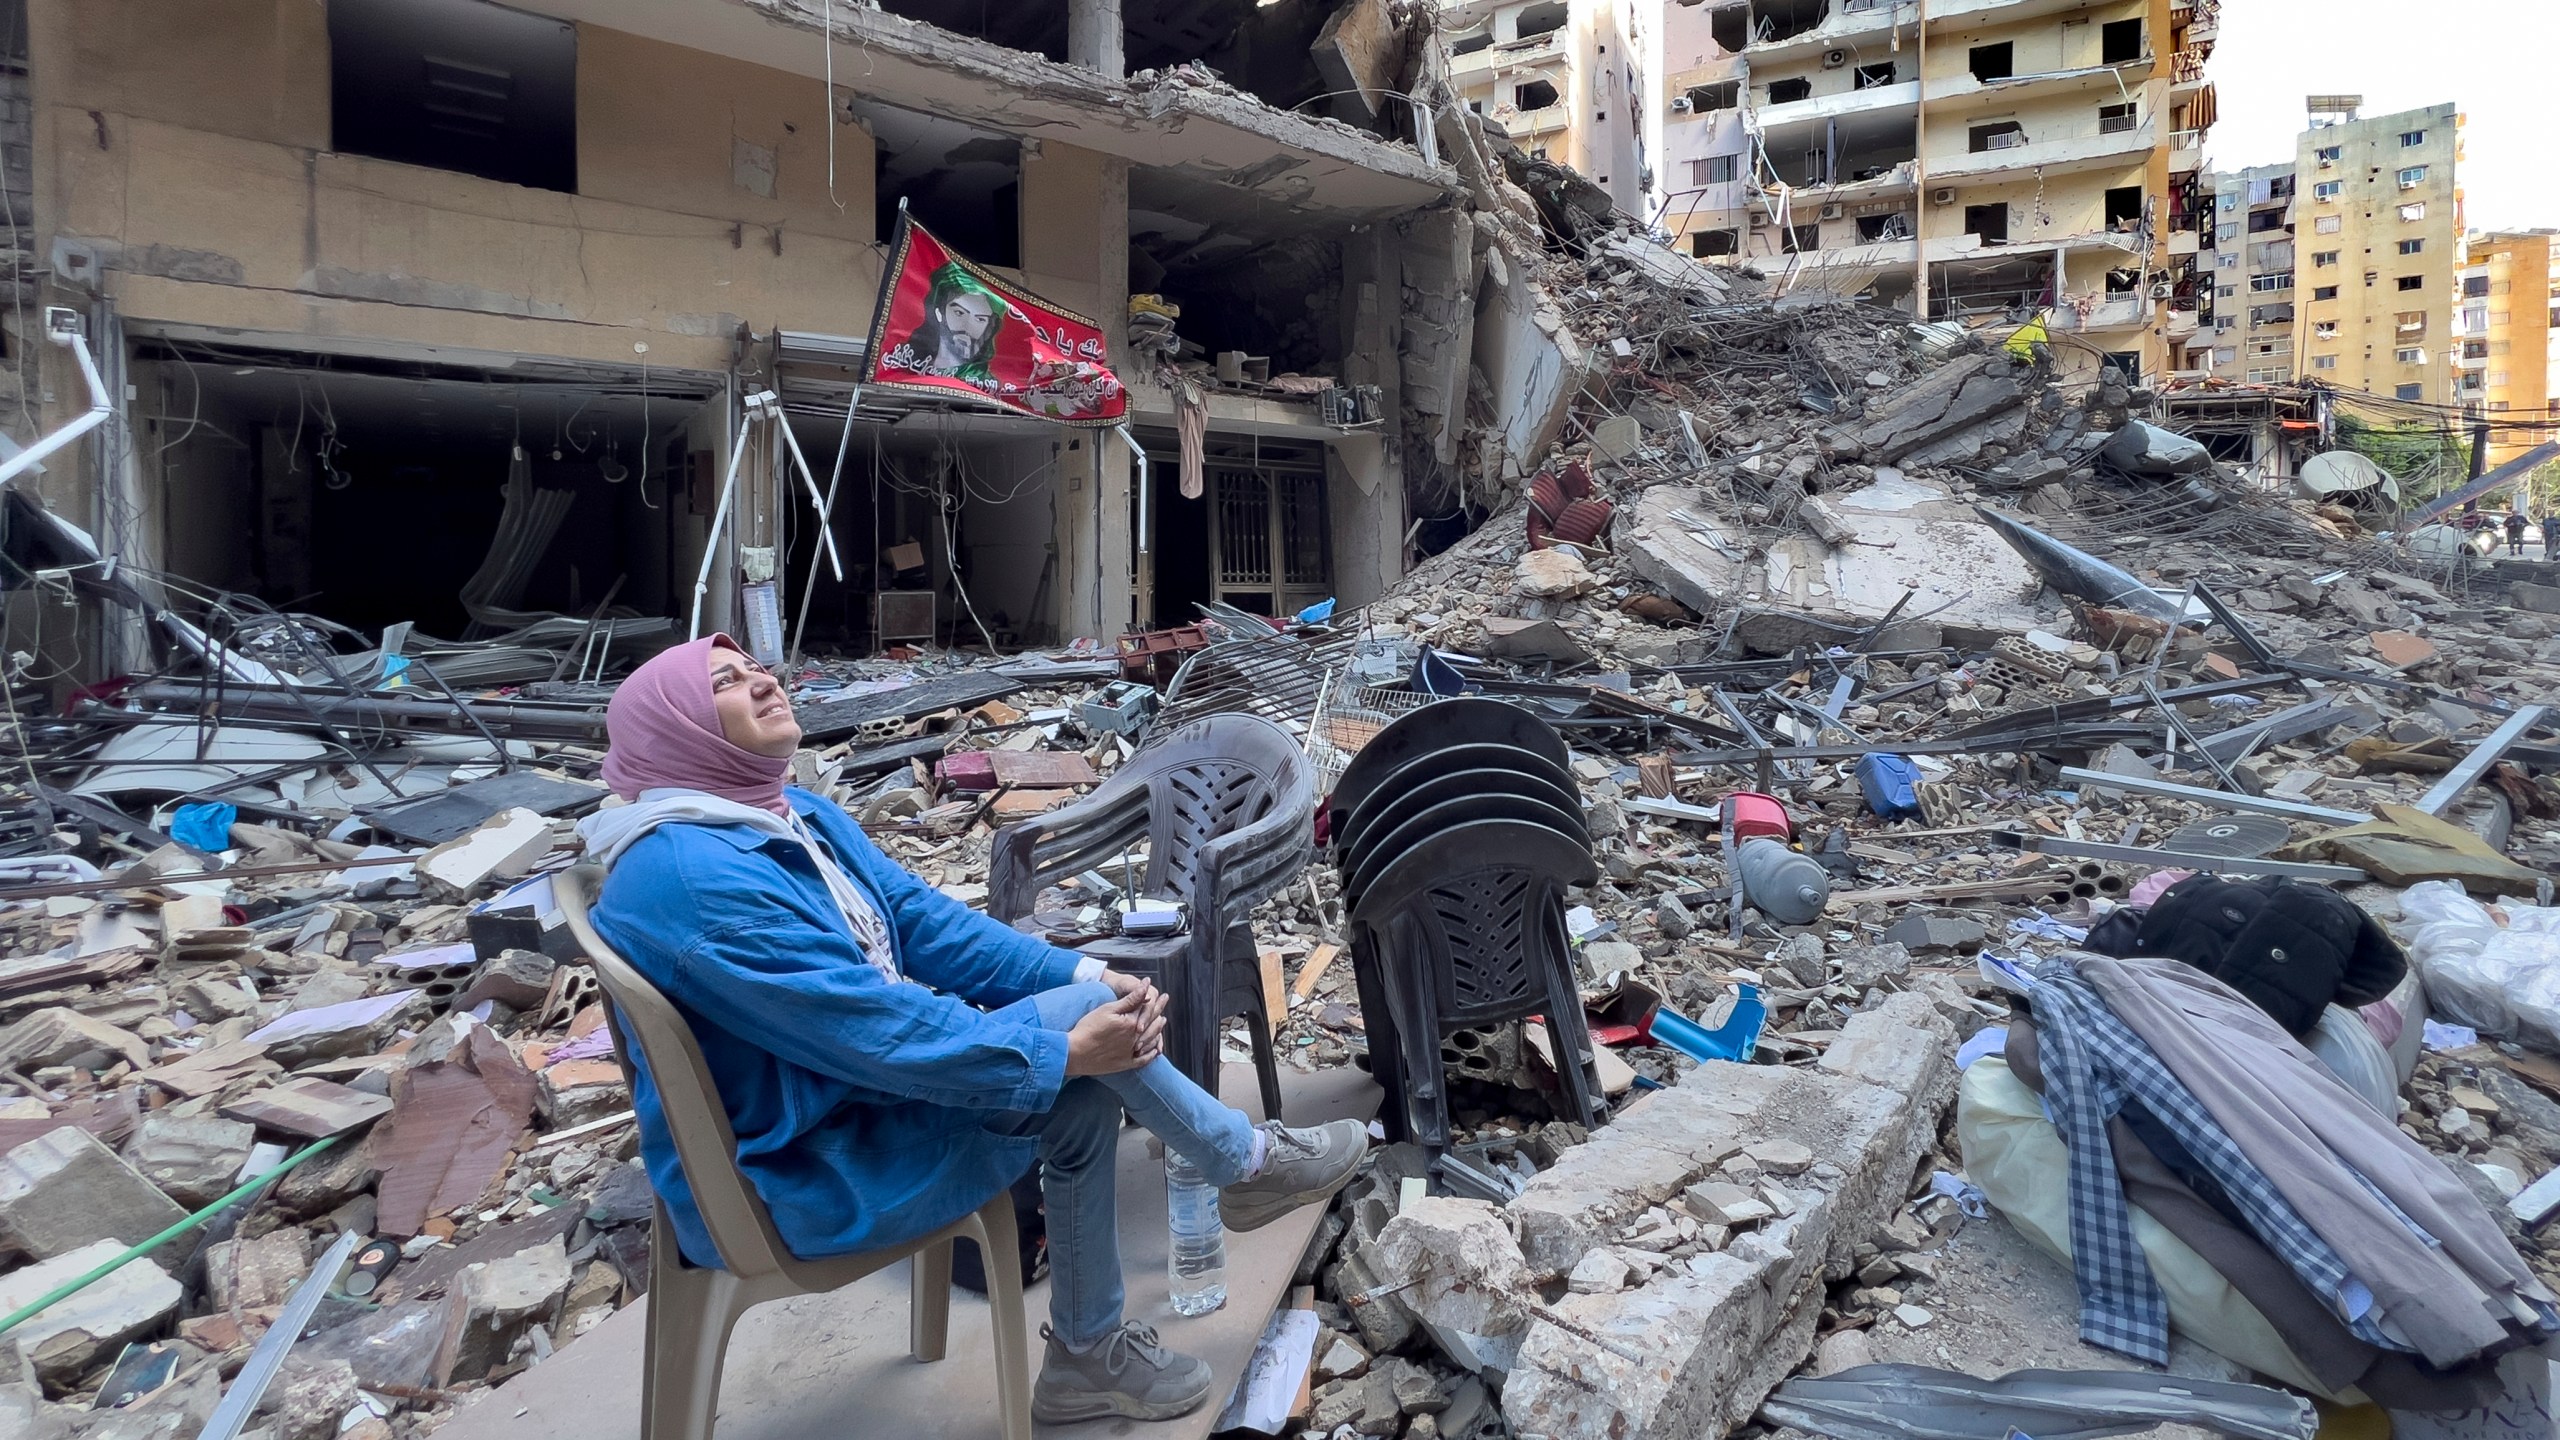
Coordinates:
1789	888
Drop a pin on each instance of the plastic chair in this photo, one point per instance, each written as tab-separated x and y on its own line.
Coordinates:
1226	809
693	1310
1466	928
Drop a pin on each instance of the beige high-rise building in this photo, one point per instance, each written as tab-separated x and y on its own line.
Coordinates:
2042	155
1565	79
2507	338
2247	331
2378	241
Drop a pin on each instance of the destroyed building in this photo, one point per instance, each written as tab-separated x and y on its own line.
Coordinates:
444	312
2018	158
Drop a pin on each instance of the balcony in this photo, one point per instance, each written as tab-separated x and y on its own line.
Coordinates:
2117	313
2183	242
1868	26
2058	156
1879	101
1476	64
2186	152
1519	124
2182	323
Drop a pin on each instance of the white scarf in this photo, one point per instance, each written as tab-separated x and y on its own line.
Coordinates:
611	832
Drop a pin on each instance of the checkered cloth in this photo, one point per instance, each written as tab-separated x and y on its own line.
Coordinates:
2093	1063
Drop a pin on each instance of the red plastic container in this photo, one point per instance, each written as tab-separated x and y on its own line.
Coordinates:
1758	814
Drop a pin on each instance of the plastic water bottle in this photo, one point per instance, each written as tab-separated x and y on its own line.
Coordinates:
1197	1266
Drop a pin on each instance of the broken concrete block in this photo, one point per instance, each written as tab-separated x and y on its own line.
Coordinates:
56	1036
1866	966
1802	957
1385	1323
2542	599
1338	1357
1936	932
1466	1265
1553	574
84	1328
342	1030
1416	1390
1780	1157
1721	1203
509	1298
63	1191
2399	649
1600	1273
194	1159
517	979
309	1401
251	1274
504	847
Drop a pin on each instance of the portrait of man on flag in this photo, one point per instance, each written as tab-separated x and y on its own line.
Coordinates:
945	326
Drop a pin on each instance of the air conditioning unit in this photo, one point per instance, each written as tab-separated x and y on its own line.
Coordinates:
1831	212
1679	104
1834	59
1944	195
2162	290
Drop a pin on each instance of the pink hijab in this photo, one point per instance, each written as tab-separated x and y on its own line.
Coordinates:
664	733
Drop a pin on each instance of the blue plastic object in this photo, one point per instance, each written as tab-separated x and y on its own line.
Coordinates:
1318	613
205	826
1733	1040
1891	784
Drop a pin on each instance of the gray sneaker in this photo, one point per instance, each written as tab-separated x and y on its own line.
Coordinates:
1300	1168
1130	1373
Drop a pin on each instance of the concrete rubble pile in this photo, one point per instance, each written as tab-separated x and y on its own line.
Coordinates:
1801	560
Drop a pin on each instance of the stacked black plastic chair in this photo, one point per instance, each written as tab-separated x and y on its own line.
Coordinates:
1226	810
1458	829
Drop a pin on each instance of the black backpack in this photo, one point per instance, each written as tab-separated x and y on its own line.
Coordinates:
2293	949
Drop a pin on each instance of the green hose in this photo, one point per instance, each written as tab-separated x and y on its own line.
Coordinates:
72	1287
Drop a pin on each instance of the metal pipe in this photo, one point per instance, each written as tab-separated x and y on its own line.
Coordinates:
720	516
63	328
2445	791
2256	804
2176	859
1145	497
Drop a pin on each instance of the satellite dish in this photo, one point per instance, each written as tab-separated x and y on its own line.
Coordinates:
2235	837
2344	472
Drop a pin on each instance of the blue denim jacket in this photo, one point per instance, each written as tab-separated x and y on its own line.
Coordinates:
860	1103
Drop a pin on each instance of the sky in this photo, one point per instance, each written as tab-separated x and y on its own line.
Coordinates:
2493	58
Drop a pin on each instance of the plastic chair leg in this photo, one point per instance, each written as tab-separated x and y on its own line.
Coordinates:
691	1314
1386	1050
997	1237
929	1294
1266	1060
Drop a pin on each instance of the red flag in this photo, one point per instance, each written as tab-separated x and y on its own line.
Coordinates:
946	327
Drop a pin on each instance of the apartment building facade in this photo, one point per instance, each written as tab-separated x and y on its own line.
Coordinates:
348	266
1567	80
2378	231
2246	334
2507	338
2021	157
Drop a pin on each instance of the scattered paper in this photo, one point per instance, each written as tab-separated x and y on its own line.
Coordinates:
1269	1386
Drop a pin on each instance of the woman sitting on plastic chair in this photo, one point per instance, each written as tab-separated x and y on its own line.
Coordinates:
889	1058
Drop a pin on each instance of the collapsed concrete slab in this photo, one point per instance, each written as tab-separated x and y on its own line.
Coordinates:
1891	539
1694	1350
1948	415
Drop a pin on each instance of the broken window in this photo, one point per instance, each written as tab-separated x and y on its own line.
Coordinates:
2327	156
1533	95
1804	239
2413	282
1992	62
964	182
2117	119
2410	322
2412	247
456	85
2328	224
2262	221
2324	292
2123	284
1774	20
2411	139
1706	243
1470	44
2119	42
2124	207
1895	226
1541	19
1867	77
1998	135
2127	362
2324	329
1723	95
2320	258
2413	177
2414	212
1786	92
1989	222
1730	27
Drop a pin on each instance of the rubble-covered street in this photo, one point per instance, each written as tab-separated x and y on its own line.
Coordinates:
1793	554
1871	876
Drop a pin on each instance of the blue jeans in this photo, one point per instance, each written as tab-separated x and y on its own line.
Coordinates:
1079	1151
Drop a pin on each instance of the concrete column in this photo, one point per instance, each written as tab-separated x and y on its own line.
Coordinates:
1075	209
1094	37
1364	473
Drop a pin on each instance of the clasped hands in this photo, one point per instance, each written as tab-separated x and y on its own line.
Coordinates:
1122	1035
